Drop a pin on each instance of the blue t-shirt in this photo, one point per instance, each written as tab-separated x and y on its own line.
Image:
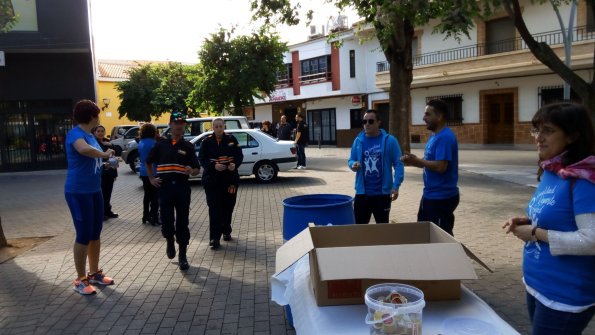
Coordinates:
372	164
566	279
442	147
84	173
144	147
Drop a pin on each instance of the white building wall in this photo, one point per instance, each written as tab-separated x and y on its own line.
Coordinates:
314	48
528	95
263	112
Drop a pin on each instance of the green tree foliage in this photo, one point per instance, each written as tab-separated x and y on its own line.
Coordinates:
155	89
234	70
8	18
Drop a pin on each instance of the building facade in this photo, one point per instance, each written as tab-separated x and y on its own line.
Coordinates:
48	67
492	82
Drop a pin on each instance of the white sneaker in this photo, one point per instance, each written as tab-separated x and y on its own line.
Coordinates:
301	167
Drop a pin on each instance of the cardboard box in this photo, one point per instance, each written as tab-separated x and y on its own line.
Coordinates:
346	260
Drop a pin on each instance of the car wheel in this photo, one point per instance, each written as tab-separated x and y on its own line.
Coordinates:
265	172
134	161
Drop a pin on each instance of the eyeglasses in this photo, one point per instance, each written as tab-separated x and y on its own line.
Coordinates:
368	121
545	131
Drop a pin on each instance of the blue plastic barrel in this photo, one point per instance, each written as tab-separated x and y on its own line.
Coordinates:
321	209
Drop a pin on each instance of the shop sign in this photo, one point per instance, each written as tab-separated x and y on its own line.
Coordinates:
278	96
356	100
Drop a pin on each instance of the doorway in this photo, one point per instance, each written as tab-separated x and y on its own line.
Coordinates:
499	116
323	126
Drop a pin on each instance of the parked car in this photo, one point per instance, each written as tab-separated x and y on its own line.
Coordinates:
199	125
124	135
130	153
264	155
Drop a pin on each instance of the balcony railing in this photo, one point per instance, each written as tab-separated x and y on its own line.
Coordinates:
284	81
315	77
482	49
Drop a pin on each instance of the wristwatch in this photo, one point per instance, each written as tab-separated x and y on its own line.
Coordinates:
533	236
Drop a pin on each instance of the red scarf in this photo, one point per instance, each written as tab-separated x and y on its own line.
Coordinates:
584	169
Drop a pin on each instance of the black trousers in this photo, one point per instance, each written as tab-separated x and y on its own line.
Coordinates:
107	186
221	203
174	196
366	205
439	211
150	199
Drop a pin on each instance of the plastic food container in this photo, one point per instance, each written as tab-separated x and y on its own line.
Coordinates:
394	309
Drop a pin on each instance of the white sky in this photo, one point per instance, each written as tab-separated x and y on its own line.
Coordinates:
175	29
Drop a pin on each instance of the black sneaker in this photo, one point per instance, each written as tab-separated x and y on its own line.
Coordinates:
183	264
215	244
112	215
171	248
227	237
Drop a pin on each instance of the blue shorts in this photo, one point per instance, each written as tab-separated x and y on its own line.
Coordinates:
87	215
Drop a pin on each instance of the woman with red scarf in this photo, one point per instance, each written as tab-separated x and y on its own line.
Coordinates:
559	229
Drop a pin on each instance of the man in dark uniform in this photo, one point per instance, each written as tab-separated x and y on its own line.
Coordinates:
175	160
284	129
221	156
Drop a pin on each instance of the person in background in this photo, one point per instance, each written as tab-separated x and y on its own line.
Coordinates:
109	173
220	155
559	229
175	160
82	191
284	129
440	169
148	136
374	156
301	140
267	128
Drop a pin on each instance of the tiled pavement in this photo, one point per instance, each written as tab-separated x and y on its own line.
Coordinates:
227	291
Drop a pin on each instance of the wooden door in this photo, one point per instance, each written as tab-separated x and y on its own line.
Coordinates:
500	118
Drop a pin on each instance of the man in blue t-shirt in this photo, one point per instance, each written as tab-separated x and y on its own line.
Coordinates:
441	169
374	155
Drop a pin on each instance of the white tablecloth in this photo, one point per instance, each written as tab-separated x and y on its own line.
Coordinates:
469	315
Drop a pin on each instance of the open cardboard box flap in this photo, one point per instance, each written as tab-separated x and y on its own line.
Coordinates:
415	243
443	261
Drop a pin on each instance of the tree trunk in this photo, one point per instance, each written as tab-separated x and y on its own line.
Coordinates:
399	56
3	242
546	55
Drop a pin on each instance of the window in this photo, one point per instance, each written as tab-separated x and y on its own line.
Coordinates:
245	140
414	45
550	94
590	18
500	36
316	69
285	77
356	117
351	63
455	108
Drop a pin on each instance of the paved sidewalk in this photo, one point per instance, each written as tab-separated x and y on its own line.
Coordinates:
227	291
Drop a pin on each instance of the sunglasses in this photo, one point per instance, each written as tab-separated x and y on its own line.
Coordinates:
368	121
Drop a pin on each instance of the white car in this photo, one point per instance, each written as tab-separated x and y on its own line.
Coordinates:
264	155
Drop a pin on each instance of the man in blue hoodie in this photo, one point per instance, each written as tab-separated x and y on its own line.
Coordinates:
374	156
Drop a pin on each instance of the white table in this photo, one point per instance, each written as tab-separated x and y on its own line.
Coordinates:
469	315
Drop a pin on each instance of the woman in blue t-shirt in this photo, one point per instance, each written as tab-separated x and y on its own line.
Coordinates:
82	191
559	229
148	134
